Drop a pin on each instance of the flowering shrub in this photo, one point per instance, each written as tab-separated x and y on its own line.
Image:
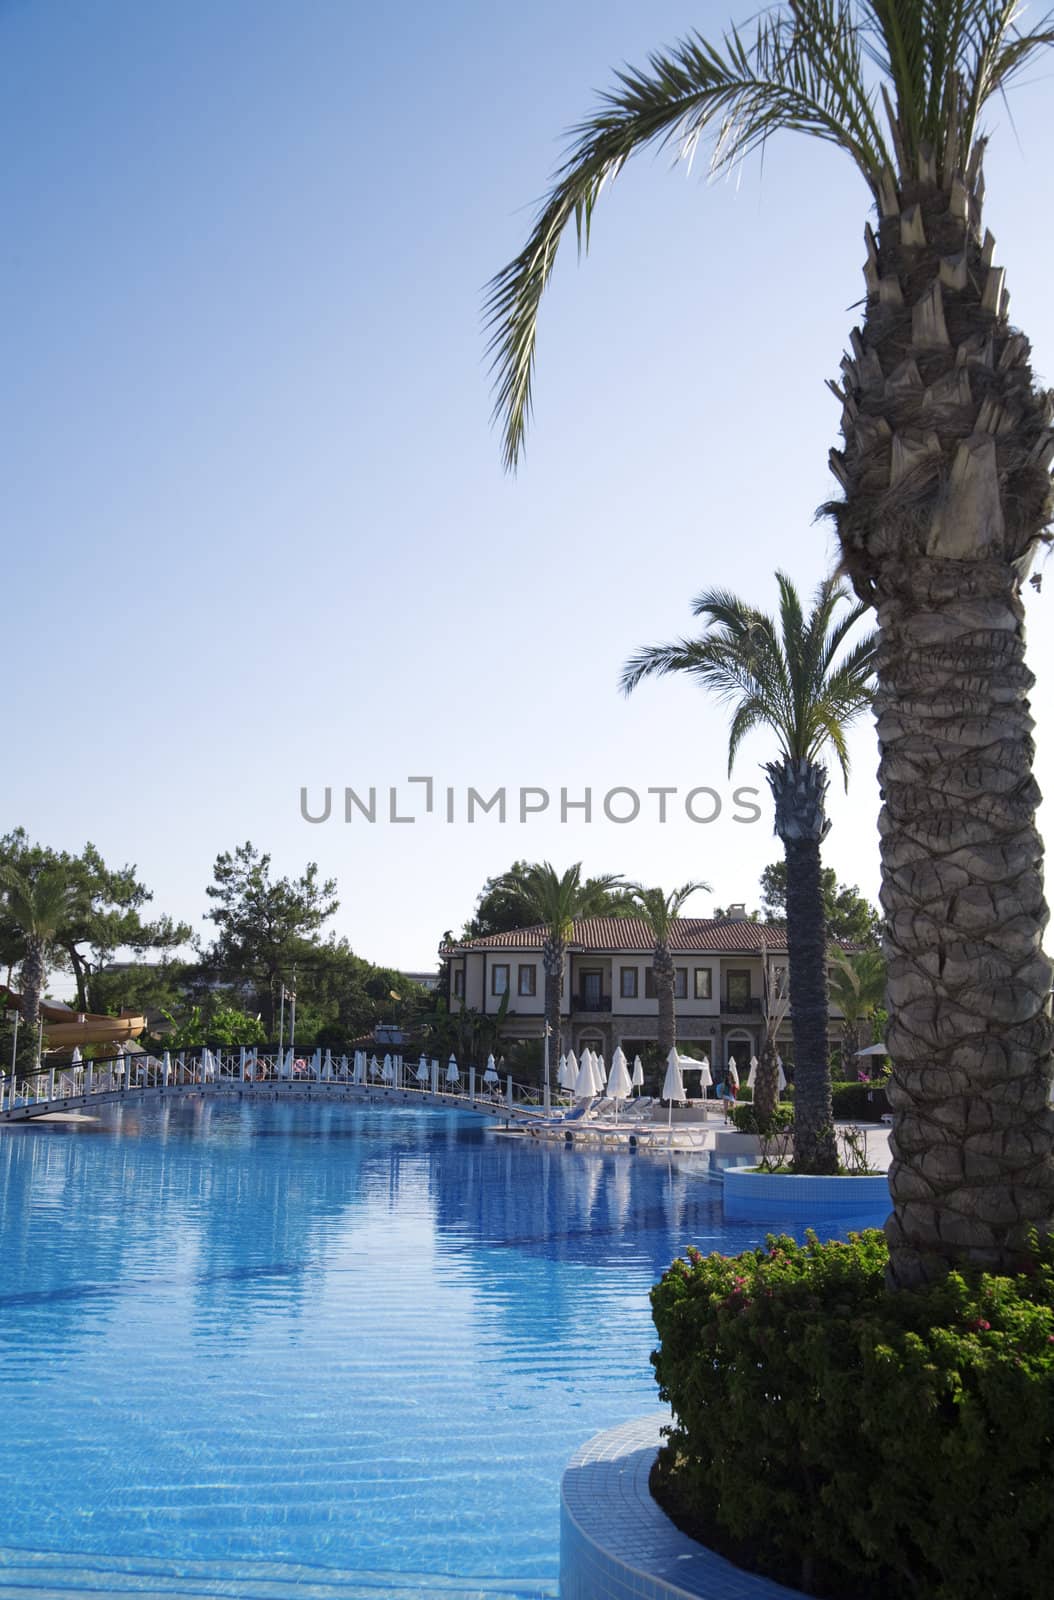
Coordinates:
858	1442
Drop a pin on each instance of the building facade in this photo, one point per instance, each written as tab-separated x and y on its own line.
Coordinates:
608	995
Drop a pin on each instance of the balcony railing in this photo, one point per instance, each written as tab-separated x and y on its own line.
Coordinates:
742	1006
590	1002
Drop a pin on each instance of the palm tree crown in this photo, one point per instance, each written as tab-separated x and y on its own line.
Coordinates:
781	673
899	85
39	906
660	909
556	899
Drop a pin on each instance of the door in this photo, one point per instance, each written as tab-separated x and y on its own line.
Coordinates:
592	990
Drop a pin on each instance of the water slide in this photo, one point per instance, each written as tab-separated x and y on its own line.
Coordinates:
64	1027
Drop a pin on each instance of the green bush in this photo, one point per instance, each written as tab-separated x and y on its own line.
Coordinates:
851	1102
745	1118
857	1442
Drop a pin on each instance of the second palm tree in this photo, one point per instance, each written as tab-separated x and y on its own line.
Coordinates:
788	675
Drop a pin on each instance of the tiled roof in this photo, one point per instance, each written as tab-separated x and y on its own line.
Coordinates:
632	936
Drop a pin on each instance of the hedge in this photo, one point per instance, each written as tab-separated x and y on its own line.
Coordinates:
859	1443
852	1103
746	1120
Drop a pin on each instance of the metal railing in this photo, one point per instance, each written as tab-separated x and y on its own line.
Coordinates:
590	1002
243	1070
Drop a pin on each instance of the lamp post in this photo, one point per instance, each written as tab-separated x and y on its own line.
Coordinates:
548	1100
292	1015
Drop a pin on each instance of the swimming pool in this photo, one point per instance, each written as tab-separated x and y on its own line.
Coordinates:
316	1350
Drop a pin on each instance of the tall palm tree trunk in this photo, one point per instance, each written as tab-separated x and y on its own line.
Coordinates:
766	1085
948	489
799	789
969	985
553	963
662	964
32	979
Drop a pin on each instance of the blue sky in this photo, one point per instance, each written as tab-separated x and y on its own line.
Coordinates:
258	535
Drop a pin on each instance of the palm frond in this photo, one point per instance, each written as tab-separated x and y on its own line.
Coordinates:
801	71
787	675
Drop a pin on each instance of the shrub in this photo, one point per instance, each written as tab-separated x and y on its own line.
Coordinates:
858	1102
857	1442
745	1118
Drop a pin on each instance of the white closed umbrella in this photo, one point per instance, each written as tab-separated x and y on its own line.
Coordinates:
601	1071
375	1067
387	1071
422	1073
673	1083
76	1058
705	1075
571	1072
585	1084
619	1084
733	1074
781	1075
491	1074
638	1073
316	1064
344	1068
596	1073
452	1073
166	1064
561	1071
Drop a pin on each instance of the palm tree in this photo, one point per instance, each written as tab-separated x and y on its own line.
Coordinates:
785	674
947	492
660	911
858	988
39	907
555	900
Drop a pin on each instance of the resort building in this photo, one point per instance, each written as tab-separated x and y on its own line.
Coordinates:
608	995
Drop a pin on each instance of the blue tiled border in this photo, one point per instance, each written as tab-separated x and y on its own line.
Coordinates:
616	1544
765	1196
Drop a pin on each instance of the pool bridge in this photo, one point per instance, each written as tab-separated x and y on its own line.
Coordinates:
243	1071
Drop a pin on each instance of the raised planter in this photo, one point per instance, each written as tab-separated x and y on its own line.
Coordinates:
617	1544
784	1196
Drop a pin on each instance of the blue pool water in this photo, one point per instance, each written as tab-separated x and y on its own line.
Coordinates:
316	1350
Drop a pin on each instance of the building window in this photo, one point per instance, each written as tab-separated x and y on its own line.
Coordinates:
680	983
499	979
649	983
459	983
628	983
737	987
527	980
704	983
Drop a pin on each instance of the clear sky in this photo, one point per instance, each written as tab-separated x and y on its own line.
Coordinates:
257	535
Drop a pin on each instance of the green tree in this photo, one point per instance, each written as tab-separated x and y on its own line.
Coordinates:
141	986
103	911
262	922
225	1025
504	902
660	911
789	675
946	496
554	900
37	905
858	988
849	916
